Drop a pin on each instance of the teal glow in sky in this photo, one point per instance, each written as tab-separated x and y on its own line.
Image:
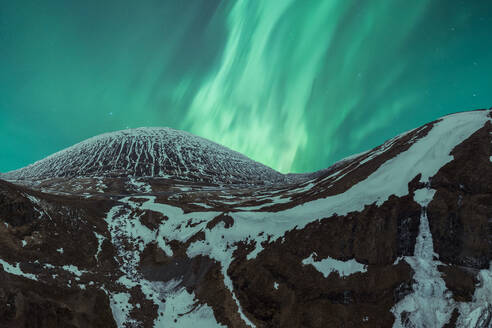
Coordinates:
295	85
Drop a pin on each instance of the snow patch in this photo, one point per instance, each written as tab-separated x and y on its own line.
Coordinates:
100	240
121	307
100	185
181	302
303	189
73	269
424	196
140	186
271	202
33	199
329	265
202	205
16	270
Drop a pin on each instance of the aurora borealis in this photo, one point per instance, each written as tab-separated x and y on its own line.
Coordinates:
295	85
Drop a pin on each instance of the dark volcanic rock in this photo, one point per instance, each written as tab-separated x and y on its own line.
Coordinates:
460	213
42	306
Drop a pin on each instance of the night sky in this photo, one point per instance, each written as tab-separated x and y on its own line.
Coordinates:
296	85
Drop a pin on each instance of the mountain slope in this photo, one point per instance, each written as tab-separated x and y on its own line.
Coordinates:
398	236
150	152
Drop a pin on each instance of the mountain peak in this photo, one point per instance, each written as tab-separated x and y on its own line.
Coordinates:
150	152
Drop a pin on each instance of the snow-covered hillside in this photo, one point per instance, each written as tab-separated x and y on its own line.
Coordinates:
150	152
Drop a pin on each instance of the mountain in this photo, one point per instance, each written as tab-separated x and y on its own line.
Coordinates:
398	236
150	152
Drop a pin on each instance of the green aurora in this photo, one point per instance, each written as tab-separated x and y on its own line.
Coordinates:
296	85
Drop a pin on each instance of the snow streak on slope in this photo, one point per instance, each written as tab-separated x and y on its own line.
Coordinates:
150	152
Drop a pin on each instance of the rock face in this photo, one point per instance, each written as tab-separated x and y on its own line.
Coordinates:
399	236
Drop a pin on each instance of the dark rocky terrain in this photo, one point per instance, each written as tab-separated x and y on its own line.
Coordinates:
399	236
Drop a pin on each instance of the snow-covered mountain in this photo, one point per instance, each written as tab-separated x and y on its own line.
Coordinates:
150	152
398	236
